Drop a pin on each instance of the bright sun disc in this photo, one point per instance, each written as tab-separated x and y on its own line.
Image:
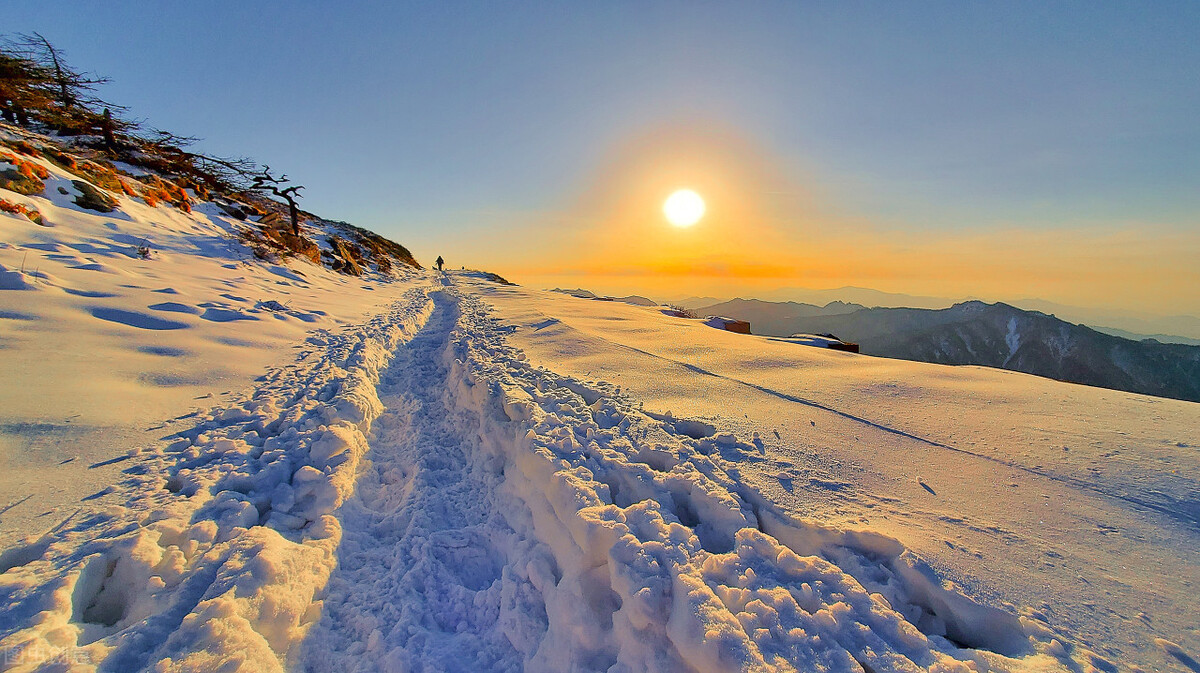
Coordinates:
684	208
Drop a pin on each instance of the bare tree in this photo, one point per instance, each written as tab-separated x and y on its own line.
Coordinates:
23	87
266	182
74	87
227	174
37	83
73	106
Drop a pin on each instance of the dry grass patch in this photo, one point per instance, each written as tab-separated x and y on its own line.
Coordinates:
17	209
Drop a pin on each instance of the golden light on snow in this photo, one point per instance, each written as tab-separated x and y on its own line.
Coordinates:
684	208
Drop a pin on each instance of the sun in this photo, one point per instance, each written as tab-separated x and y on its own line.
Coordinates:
684	208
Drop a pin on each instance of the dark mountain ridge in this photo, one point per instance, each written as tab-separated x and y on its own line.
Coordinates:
775	318
996	335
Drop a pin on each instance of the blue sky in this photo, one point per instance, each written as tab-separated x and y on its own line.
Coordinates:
431	121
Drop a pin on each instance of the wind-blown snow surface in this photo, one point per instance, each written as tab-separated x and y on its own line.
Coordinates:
508	518
100	348
479	477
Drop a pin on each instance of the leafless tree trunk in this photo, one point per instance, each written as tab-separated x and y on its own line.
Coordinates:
269	183
106	128
64	83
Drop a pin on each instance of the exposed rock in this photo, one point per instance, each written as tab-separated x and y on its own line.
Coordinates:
232	211
345	256
824	341
375	246
92	198
16	181
31	214
728	324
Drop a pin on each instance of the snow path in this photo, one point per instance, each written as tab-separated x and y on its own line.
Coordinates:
511	518
222	550
412	494
423	532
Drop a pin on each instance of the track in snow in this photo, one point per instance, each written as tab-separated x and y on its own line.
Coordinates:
422	538
413	495
508	518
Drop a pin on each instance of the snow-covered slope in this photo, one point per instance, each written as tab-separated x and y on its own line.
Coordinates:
217	463
1077	503
102	346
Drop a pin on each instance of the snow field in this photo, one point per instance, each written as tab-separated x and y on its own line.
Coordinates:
220	558
593	536
413	494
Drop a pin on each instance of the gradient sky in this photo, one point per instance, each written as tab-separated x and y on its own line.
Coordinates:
1001	150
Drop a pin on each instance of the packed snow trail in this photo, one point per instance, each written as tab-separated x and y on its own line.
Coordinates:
225	544
514	519
423	537
413	495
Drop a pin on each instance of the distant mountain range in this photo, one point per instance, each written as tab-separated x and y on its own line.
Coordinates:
992	335
634	299
1165	338
853	295
1131	324
771	317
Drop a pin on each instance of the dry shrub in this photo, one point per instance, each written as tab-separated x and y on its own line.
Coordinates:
26	168
25	178
18	209
270	243
100	175
247	203
157	189
201	189
60	158
258	244
25	147
129	187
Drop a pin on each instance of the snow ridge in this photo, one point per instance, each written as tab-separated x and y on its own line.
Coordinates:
1012	339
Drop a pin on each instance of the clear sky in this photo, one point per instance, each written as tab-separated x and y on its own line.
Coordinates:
1001	150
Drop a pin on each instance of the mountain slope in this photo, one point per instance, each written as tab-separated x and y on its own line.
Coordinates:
1079	502
1002	336
414	492
774	317
114	321
419	471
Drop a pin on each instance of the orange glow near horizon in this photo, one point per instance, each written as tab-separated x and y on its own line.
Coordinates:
764	228
619	212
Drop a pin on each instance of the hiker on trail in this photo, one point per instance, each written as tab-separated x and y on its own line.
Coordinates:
440	262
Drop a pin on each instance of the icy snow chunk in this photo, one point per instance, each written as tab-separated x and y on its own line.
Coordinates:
335	442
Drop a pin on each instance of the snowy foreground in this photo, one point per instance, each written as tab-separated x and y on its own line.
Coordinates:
441	473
